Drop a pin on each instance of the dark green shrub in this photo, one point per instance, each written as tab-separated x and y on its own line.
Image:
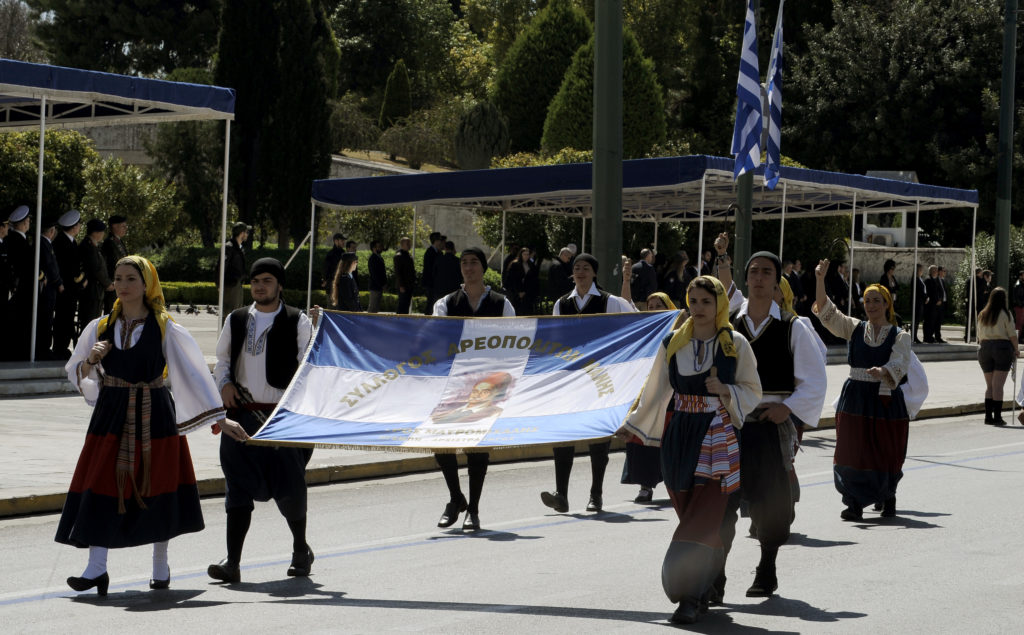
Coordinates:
482	135
397	97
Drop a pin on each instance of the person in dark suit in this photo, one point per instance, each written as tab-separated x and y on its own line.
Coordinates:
331	261
931	308
430	256
447	273
97	282
560	275
6	287
520	280
378	276
858	294
644	279
234	266
113	250
65	248
920	302
405	274
51	287
941	310
22	262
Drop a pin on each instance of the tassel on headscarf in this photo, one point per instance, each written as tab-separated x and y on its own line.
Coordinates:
890	311
684	334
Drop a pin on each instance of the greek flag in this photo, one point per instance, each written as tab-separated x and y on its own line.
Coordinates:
746	135
771	170
444	383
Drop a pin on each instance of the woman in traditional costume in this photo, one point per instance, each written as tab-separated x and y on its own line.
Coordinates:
134	483
872	419
710	374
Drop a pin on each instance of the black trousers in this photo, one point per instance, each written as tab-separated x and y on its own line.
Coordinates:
64	323
404	301
598	462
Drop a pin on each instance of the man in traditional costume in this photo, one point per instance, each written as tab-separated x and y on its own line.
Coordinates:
586	298
792	373
473	299
258	352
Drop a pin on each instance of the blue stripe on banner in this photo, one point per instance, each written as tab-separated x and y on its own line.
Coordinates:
376	343
299	428
581	339
593	424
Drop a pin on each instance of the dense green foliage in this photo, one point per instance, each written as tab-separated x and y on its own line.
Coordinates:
985	255
481	136
128	36
67	153
532	71
570	120
397	103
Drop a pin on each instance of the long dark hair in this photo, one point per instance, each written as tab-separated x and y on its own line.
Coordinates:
996	305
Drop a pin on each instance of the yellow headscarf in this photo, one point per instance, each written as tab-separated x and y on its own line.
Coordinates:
664	300
154	296
787	295
890	312
682	336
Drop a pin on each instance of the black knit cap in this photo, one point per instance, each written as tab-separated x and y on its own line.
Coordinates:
272	266
479	253
770	256
585	257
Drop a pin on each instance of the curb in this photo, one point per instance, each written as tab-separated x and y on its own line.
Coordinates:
409	463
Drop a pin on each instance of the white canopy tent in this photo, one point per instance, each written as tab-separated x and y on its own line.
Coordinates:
34	96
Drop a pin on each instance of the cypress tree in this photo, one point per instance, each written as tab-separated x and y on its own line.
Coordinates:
569	122
533	69
397	103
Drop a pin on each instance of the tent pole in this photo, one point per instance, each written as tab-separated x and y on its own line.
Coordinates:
224	219
974	265
700	226
913	298
312	248
39	225
583	236
504	216
655	234
415	213
782	228
853	224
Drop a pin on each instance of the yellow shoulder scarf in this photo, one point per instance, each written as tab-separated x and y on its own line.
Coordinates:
787	295
681	337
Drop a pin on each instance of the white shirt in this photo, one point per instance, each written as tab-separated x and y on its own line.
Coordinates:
808	397
441	306
251	368
615	303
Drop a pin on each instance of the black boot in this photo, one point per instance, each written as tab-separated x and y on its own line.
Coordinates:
988	411
997	413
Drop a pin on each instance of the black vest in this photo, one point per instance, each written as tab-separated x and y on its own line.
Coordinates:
457	302
567	305
772	352
282	348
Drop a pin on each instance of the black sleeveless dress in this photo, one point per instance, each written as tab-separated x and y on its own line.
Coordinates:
100	511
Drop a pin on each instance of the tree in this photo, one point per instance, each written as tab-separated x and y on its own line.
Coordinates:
570	120
128	36
155	217
482	135
17	38
533	69
67	153
190	154
385	225
905	85
351	127
374	34
397	103
499	22
280	136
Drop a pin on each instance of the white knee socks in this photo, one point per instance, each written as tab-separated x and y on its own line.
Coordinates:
97	563
161	570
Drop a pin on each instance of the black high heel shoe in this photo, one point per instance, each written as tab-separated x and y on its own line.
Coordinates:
101	582
160	584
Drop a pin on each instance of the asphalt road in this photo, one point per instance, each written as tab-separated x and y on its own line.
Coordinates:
949	563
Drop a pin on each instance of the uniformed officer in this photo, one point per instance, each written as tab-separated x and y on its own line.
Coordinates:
66	251
22	261
94	266
6	287
51	285
113	250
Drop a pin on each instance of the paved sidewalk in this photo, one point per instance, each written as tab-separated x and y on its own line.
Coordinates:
43	436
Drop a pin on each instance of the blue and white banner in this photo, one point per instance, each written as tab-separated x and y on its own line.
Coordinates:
410	382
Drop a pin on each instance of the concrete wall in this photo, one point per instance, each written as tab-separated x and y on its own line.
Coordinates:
870	259
126	142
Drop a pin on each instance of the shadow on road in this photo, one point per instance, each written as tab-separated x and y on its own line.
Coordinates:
780	606
806	541
483	534
900	521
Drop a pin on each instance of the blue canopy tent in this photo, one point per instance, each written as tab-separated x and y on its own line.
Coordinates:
34	96
671	189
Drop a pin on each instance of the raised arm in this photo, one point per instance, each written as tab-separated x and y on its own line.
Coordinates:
723	264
